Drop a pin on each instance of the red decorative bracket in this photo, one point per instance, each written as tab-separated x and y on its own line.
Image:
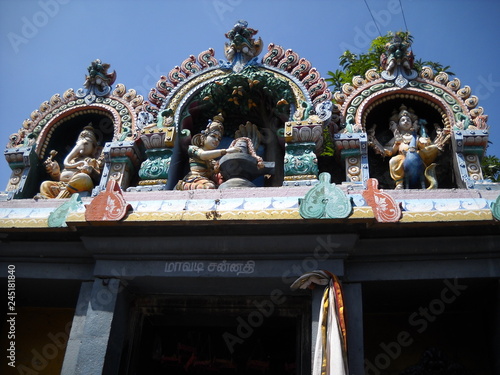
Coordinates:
385	208
109	205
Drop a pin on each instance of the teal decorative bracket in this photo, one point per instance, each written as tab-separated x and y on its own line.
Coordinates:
495	208
57	218
325	201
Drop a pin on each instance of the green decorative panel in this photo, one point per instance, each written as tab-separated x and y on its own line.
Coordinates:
300	159
325	201
157	164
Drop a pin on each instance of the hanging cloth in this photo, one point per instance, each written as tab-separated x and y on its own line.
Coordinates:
330	353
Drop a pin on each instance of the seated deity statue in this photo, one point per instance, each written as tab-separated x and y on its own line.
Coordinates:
411	150
81	168
202	154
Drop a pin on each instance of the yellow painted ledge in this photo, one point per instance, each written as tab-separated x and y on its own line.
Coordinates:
359	213
24	223
440	216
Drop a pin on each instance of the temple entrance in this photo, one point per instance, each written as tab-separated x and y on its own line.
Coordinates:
221	335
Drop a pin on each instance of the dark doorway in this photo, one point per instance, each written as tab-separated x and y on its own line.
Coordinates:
221	335
413	326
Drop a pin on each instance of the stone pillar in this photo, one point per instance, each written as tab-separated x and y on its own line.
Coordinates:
469	147
303	139
353	151
121	162
24	163
96	338
353	300
77	329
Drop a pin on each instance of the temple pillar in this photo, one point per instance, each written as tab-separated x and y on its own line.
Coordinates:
353	300
77	328
99	325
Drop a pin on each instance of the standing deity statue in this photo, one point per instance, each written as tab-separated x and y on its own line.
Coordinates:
411	150
81	170
202	154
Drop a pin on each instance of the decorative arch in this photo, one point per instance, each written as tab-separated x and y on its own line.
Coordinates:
441	97
28	147
200	87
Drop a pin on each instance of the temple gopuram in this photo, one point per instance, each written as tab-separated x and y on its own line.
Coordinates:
241	218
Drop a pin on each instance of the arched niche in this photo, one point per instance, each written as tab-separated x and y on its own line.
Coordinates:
371	100
264	96
377	115
56	124
63	133
256	95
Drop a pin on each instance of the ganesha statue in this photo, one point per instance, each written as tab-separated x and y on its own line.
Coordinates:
82	168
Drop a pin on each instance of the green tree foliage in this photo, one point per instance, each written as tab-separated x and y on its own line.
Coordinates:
357	64
491	168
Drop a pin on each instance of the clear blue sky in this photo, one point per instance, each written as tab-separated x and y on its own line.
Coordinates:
46	45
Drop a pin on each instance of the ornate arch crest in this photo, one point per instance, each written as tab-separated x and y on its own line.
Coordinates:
174	90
